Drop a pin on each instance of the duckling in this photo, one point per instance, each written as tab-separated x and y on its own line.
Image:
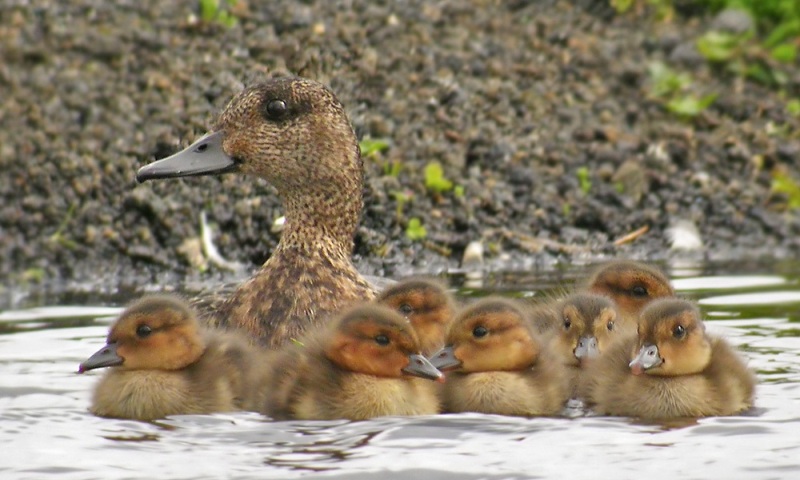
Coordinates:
361	365
632	285
672	368
295	134
588	326
500	364
427	304
162	364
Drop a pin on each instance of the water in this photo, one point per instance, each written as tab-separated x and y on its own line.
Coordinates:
48	433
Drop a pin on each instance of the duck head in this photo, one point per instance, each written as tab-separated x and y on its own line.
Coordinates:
293	133
375	340
672	340
491	335
154	333
426	304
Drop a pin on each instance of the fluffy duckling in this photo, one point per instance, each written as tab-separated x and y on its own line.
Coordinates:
632	285
295	134
672	368
500	364
425	303
588	326
162	364
362	365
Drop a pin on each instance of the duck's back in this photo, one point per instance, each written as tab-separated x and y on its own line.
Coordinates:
292	294
725	387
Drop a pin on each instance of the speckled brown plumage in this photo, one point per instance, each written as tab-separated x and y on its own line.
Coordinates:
295	134
311	156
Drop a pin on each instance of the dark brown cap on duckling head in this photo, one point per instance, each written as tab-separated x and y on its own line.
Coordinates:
631	285
427	304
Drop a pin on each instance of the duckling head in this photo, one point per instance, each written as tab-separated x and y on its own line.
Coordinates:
375	340
295	134
672	340
588	325
491	335
426	304
631	285
154	333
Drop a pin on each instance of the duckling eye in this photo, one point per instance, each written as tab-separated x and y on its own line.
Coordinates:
679	331
143	331
382	340
276	109
406	309
639	291
479	331
610	325
567	323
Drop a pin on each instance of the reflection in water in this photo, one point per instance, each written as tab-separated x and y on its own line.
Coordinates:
47	431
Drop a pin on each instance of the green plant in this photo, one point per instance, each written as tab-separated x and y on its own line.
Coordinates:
435	180
401	197
793	107
372	146
670	86
583	180
213	11
415	230
688	106
782	182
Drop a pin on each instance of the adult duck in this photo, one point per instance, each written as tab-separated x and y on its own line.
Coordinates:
295	134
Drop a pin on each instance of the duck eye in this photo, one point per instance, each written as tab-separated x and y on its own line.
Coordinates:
276	109
382	340
479	331
639	291
610	325
406	309
567	324
143	331
679	331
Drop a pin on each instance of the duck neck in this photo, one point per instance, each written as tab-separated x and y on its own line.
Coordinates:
324	220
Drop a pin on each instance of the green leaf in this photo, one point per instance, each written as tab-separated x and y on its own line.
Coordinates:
783	32
689	105
719	46
785	53
415	230
665	81
793	107
583	180
435	180
784	183
622	6
459	191
372	146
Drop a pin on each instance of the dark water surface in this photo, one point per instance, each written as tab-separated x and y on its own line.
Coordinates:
48	433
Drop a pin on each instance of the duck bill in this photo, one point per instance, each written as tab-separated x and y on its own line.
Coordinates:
645	359
587	348
419	366
105	357
203	157
445	359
